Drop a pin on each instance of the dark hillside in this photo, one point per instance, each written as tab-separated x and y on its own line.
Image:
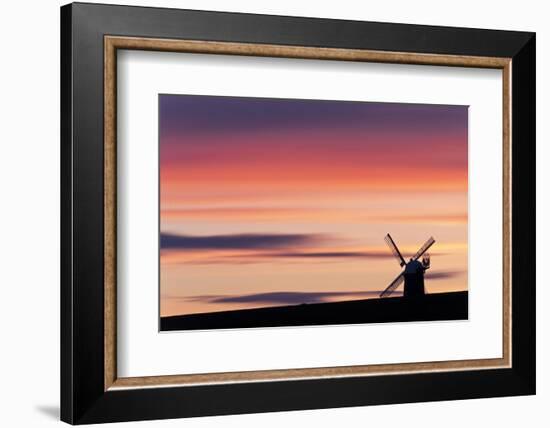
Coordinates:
431	307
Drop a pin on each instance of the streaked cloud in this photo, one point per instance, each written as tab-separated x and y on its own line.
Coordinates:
283	297
324	215
437	275
235	241
299	297
202	253
332	254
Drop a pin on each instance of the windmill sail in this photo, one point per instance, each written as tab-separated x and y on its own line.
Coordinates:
394	284
424	248
394	250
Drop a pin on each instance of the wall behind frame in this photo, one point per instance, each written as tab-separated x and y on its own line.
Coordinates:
29	225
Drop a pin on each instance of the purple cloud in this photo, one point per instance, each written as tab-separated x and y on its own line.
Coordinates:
235	241
284	297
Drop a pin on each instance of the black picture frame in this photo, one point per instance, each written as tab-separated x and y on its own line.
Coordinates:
83	396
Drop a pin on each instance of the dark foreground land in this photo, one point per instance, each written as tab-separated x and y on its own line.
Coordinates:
431	307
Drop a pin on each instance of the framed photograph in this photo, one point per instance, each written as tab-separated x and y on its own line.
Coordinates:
265	213
287	195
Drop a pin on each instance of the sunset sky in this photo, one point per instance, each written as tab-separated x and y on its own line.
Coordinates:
267	202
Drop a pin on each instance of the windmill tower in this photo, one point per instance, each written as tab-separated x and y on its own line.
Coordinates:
413	273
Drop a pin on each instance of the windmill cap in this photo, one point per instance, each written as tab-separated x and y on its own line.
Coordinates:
413	266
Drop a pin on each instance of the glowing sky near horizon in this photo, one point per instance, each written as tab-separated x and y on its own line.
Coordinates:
267	202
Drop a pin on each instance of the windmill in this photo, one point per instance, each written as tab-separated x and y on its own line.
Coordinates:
413	274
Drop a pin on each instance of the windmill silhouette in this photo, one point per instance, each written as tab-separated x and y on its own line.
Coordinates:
413	274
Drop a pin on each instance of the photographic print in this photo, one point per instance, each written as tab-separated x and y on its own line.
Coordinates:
292	212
